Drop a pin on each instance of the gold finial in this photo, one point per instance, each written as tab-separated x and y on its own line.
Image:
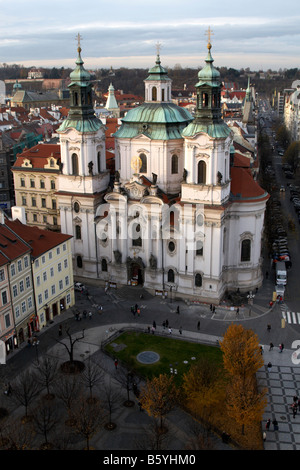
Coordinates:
78	39
209	33
158	47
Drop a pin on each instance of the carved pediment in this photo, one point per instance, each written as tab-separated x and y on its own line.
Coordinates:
136	190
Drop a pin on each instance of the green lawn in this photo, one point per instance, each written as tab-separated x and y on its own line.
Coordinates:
172	352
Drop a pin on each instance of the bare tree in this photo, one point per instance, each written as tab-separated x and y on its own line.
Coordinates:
91	376
16	437
110	400
71	366
87	418
67	389
47	374
45	418
26	388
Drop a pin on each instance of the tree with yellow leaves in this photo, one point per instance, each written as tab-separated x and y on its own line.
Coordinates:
159	396
204	387
241	352
244	403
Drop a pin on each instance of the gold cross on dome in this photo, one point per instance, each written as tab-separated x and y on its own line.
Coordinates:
78	39
158	47
209	33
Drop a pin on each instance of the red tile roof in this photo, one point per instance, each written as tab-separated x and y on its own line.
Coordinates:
38	155
39	240
11	247
243	187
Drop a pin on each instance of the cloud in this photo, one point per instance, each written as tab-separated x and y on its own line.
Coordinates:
125	33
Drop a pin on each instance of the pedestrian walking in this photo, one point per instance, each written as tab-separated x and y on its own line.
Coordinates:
164	324
213	309
237	311
138	312
153	330
275	424
170	330
261	349
90	315
116	363
269	366
268	423
294	409
269	328
198	325
84	313
177	310
264	436
154	324
167	323
180	330
281	346
271	346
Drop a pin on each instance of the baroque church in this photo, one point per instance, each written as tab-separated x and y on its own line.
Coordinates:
179	218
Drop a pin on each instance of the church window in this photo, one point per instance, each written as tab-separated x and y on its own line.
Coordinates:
99	161
136	235
199	248
201	172
154	93
76	207
52	184
246	250
174	165
171	275
143	168
198	280
77	232
74	164
79	261
171	246
104	264
204	100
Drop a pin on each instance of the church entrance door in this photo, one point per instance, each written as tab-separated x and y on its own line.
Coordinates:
137	275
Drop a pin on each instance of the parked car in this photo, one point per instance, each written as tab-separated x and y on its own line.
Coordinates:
79	287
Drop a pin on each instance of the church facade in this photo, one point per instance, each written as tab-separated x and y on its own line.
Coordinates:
179	218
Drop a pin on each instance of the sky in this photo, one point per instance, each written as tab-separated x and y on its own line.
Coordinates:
259	34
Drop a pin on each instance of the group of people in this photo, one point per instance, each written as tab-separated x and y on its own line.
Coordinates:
135	309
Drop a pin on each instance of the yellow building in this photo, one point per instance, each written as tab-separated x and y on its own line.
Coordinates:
52	270
35	173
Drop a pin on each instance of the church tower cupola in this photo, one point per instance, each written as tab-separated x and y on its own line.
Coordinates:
208	92
158	85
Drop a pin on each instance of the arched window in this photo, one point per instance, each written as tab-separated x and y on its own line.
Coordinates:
76	207
136	235
199	248
171	275
154	94
204	100
198	280
77	232
79	261
99	161
246	250
174	164
104	264
143	168
74	164
201	172
163	94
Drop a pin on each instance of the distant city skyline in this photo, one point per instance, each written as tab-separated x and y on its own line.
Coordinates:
259	35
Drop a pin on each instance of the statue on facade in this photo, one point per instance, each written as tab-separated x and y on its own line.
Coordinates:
219	176
184	176
118	256
154	178
90	165
153	261
117	176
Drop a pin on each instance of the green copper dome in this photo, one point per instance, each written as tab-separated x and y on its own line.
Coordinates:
80	75
158	72
159	121
209	75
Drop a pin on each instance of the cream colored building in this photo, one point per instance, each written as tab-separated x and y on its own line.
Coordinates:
35	175
52	270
